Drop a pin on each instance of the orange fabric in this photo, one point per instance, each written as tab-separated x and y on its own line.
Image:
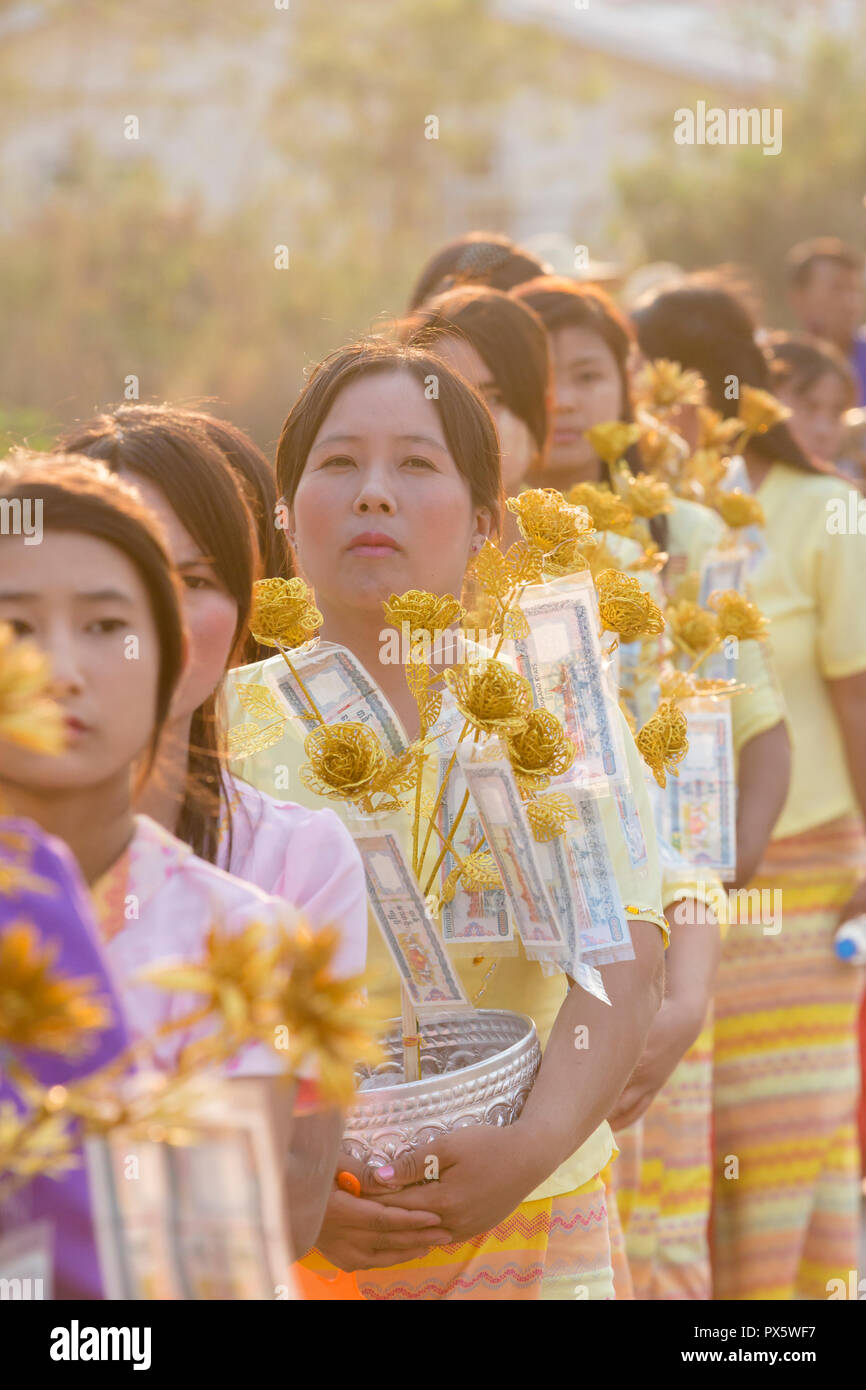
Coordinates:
343	1287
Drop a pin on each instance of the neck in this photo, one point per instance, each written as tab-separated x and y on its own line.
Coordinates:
163	794
757	466
97	823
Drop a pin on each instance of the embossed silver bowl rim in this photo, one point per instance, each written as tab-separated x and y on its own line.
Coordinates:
500	1060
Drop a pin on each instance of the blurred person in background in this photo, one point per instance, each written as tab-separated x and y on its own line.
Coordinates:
786	1074
476	258
813	379
828	297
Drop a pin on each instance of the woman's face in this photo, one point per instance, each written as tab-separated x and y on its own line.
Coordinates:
83	602
515	439
816	422
210	613
381	506
588	392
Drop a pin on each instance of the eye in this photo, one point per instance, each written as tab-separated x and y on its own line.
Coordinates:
588	377
19	627
197	581
416	461
106	626
338	461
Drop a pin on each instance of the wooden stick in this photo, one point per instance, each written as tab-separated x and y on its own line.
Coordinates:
411	1040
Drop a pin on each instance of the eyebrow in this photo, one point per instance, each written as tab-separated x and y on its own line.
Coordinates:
583	358
91	596
357	438
196	560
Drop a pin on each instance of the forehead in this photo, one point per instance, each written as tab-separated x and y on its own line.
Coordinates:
572	344
464	358
833	275
66	562
181	544
382	404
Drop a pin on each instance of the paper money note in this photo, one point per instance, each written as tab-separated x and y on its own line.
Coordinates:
343	692
477	916
410	934
605	935
510	841
562	659
699	808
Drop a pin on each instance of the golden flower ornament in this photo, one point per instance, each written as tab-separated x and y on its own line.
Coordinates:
663	742
540	750
695	627
284	613
612	440
493	697
549	815
553	526
759	411
346	761
739	508
626	608
28	717
716	431
425	614
40	1008
648	496
737	616
608	511
663	384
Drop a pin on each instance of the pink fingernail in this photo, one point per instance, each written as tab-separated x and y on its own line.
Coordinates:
384	1174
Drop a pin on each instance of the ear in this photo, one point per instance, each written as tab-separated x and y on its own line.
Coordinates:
483	529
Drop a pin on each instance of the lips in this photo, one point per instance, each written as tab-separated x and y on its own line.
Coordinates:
75	727
373	543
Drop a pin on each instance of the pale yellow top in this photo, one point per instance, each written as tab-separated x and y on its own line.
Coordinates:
811	586
516	983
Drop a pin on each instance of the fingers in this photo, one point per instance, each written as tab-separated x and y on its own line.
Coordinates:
413	1166
359	1214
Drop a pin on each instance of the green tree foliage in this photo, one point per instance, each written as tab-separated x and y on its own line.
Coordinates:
705	205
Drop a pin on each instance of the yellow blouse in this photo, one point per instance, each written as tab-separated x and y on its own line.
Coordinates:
515	983
810	585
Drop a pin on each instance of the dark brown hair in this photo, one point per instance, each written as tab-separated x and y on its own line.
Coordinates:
82	496
466	422
802	259
478	258
167	447
506	334
797	360
708	330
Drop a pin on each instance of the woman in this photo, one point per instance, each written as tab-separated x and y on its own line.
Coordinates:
591	344
786	1075
101	597
500	347
813	379
370	468
476	258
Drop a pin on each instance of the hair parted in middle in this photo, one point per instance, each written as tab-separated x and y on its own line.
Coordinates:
466	421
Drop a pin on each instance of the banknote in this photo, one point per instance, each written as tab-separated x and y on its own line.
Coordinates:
562	659
605	935
510	841
410	934
342	690
480	915
699	807
629	824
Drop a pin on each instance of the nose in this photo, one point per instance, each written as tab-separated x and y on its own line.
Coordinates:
66	674
375	494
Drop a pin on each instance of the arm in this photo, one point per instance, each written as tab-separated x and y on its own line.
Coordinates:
763	775
849	702
484	1172
690	968
310	1164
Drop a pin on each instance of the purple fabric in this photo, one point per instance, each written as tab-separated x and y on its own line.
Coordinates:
858	362
64	919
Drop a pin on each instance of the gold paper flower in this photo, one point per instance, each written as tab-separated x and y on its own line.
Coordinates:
608	511
663	384
553	526
28	717
694	626
234	975
284	613
662	450
492	696
478	872
346	761
31	1146
739	508
737	616
626	608
701	474
612	440
540	750
548	815
715	431
426	614
42	1009
759	411
649	496
662	742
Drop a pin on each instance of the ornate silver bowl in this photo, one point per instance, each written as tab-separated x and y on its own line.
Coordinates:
476	1069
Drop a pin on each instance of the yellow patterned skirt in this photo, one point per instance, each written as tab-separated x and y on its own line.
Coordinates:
786	1081
556	1248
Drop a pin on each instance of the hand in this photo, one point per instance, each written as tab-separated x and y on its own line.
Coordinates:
472	1178
671	1034
357	1234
